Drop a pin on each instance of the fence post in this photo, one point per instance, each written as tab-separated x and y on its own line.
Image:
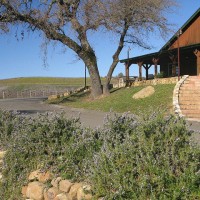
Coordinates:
30	93
3	95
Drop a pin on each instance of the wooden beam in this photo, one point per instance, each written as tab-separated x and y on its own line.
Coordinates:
173	58
197	53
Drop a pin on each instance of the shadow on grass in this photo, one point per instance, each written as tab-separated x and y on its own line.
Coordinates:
77	97
74	97
115	90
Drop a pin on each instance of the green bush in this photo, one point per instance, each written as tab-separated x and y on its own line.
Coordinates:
149	158
161	75
152	159
47	142
8	123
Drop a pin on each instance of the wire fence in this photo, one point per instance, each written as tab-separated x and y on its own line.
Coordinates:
6	94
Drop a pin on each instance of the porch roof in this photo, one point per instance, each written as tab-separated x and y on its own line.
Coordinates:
165	51
162	55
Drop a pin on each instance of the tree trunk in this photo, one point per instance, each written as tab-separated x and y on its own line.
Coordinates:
94	76
106	88
95	81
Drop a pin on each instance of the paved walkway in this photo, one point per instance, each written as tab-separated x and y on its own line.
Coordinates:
89	118
33	106
195	126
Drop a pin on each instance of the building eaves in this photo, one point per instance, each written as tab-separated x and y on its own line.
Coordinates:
183	28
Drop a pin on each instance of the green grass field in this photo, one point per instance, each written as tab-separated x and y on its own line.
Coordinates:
121	100
44	81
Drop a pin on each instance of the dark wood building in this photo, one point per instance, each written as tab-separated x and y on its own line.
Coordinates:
179	56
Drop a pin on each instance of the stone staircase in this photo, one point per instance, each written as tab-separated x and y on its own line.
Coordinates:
189	98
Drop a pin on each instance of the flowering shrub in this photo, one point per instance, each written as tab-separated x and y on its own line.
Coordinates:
48	142
8	121
149	158
154	160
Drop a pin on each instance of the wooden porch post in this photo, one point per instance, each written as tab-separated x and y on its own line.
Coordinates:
127	71
174	61
146	66
197	53
147	72
155	62
127	65
140	69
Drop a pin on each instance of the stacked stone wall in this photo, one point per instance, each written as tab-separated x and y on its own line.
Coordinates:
44	186
172	80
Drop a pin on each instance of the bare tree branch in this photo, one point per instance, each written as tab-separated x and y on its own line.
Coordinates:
71	21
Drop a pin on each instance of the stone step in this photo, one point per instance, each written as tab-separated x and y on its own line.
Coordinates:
196	84
189	94
194	77
190	107
192	81
193	119
189	98
187	112
192	116
188	85
186	102
195	81
192	99
192	91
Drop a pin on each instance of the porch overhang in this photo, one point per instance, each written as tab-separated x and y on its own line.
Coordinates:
163	55
164	58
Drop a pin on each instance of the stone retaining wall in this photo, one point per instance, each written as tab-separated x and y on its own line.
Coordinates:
121	82
44	186
176	105
67	94
38	188
157	81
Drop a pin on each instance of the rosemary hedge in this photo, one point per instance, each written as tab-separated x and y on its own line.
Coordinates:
148	158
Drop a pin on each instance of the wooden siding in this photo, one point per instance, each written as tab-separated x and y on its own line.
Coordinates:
190	36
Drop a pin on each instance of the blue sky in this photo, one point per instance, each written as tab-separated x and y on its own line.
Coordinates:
24	58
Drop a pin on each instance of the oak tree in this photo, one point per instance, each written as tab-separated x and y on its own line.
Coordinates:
71	22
